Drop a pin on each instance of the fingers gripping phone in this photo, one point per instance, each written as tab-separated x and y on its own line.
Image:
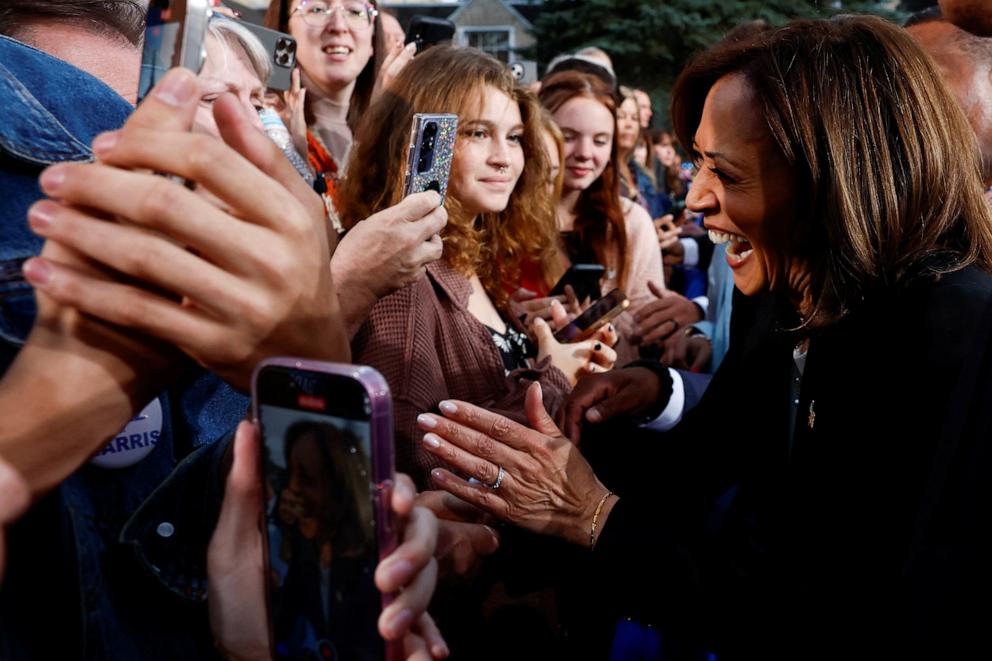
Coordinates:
595	317
174	35
584	279
327	464
432	145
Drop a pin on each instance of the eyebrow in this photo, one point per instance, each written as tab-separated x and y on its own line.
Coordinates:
490	125
716	154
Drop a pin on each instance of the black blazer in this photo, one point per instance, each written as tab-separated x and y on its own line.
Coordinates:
865	535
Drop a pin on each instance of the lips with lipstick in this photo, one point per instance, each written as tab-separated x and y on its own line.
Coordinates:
738	248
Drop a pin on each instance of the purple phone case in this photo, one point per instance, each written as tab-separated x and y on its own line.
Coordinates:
381	442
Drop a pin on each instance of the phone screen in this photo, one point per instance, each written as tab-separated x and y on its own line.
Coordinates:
597	315
174	33
320	515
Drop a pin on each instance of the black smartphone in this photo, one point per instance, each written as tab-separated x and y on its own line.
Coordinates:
282	51
595	317
327	471
432	145
174	34
584	278
427	31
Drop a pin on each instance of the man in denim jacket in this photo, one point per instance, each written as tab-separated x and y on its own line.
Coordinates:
111	564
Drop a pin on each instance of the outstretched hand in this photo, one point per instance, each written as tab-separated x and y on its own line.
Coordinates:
536	478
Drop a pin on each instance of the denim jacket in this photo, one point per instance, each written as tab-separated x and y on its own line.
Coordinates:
112	564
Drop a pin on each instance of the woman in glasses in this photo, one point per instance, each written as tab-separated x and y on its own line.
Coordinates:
336	41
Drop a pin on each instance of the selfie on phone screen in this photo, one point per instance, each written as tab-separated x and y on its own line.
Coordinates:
320	519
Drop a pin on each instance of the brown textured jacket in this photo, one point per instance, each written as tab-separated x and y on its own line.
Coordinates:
429	347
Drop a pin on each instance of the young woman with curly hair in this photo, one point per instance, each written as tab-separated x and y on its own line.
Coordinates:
448	335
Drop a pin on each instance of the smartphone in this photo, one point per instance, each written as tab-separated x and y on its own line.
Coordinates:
427	31
595	317
174	34
282	51
327	471
432	144
584	279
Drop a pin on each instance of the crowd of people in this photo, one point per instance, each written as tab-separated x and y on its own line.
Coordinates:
779	450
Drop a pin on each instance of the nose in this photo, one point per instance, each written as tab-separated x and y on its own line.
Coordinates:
701	197
582	149
499	155
335	19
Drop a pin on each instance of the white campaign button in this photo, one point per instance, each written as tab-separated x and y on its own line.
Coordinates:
135	441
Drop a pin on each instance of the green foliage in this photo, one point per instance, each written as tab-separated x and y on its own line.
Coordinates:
651	40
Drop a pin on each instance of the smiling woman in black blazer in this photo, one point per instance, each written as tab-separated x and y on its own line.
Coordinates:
828	496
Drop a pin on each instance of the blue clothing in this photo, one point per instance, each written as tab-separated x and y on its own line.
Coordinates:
716	326
92	572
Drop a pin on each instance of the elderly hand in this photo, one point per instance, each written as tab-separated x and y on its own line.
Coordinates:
385	252
236	568
577	359
227	286
628	391
658	319
538	479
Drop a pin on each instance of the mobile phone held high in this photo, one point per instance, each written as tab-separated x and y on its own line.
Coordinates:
432	145
174	35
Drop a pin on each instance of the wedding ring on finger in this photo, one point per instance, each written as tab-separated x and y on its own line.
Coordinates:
499	479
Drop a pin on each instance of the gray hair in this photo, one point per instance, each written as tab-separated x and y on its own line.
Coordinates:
240	38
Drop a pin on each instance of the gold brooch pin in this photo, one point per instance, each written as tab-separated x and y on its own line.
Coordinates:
812	414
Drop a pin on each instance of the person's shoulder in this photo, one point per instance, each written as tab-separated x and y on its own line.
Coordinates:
636	217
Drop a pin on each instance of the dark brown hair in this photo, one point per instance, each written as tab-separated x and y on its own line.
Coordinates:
122	19
887	165
277	18
449	79
600	228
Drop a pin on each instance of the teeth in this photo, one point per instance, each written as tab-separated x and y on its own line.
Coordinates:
737	259
718	237
337	50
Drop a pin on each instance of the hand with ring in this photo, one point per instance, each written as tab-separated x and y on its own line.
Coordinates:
659	319
536	477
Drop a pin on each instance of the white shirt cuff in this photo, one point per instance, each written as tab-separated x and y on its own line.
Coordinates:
672	414
690	252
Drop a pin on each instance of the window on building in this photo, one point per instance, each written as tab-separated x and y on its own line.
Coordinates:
496	42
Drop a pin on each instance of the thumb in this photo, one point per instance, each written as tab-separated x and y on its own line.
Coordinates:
558	314
171	104
242	494
537	415
542	332
657	290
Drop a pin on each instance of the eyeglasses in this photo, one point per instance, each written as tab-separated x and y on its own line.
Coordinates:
316	13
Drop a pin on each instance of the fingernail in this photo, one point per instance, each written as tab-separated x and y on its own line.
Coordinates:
448	408
440	651
431	440
177	88
52	178
598	346
398	572
412	47
37	271
437	475
427	421
41	216
104	143
555	301
404	490
593	415
400	622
